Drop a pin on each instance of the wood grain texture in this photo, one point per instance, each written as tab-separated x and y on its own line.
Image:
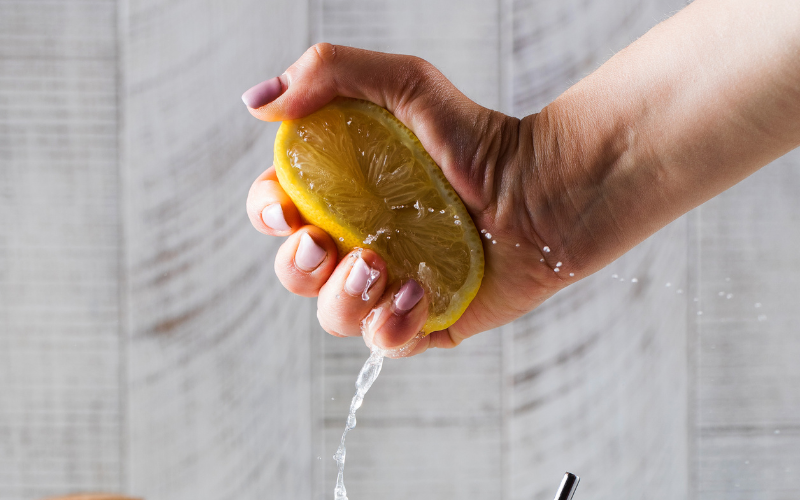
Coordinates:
748	345
555	44
60	386
218	368
599	381
598	374
431	427
219	384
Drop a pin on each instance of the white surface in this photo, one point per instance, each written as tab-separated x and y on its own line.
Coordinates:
217	383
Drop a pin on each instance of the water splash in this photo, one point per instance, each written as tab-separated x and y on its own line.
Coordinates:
366	377
374	274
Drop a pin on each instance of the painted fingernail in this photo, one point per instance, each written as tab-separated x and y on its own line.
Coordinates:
359	278
263	93
309	255
408	296
274	219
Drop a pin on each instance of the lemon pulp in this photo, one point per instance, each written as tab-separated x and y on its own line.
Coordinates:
355	171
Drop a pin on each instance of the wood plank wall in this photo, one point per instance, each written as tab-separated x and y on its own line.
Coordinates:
146	346
60	385
747	342
218	353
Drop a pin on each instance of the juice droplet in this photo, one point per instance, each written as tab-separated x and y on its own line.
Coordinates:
546	249
634	280
374	274
572	274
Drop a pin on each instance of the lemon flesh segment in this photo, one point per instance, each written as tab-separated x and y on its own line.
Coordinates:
356	172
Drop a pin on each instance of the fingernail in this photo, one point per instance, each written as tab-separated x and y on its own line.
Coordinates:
309	255
358	278
274	219
263	93
408	296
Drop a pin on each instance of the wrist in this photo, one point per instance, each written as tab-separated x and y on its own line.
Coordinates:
580	182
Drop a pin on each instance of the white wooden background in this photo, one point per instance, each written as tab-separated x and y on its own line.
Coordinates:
146	347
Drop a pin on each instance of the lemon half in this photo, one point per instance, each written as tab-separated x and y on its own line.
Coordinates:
356	172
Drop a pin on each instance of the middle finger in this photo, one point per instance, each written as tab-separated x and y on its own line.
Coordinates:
352	290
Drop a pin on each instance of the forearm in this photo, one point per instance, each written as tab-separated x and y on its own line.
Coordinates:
694	106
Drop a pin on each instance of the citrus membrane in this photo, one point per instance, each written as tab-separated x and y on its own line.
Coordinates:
355	171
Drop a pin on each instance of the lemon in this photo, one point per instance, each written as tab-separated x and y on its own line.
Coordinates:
356	172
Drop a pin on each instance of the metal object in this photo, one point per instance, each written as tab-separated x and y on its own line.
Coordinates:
568	486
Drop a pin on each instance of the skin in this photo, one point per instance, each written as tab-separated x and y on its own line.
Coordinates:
700	102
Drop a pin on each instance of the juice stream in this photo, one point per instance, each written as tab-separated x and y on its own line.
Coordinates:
369	372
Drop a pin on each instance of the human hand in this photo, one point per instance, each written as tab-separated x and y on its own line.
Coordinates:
619	155
486	156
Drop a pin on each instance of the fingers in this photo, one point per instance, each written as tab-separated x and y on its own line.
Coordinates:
306	260
353	289
409	87
356	300
394	324
269	208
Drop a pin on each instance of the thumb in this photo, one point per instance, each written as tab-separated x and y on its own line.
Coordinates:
409	87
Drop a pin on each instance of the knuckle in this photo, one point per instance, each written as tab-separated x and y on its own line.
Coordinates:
324	53
329	323
337	319
417	77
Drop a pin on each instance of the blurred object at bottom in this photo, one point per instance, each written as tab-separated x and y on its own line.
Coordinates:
93	496
568	486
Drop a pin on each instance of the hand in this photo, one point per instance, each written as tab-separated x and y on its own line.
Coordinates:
486	156
701	101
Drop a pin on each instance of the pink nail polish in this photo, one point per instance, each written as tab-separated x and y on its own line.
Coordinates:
309	255
263	93
408	296
274	219
361	279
